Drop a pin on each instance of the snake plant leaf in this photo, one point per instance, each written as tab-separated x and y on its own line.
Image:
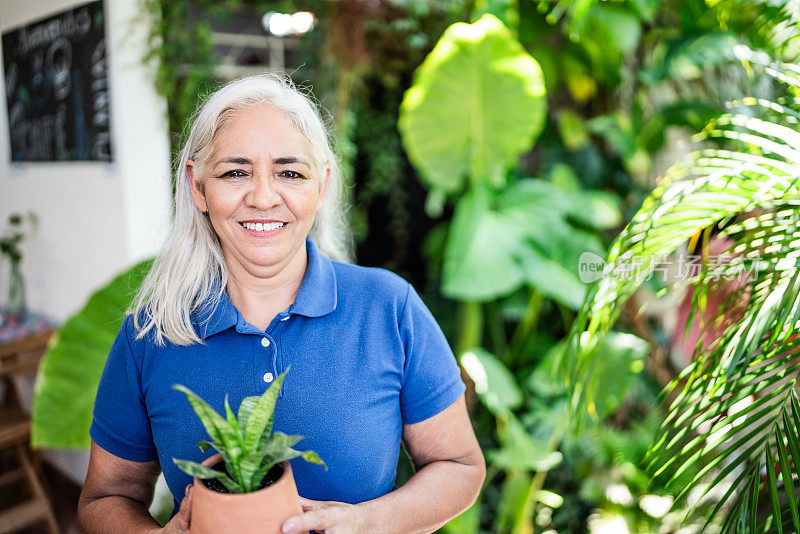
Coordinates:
246	465
245	408
259	420
219	429
312	457
214	424
250	464
255	465
233	423
68	376
476	104
202	472
494	383
197	470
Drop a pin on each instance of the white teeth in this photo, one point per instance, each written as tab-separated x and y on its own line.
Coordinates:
262	227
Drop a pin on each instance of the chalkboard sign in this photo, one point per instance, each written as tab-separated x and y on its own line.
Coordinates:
57	87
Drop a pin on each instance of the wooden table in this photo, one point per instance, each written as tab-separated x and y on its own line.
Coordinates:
18	358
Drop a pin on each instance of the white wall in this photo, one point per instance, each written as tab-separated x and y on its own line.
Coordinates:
95	219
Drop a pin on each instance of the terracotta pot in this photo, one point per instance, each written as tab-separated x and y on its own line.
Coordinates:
259	512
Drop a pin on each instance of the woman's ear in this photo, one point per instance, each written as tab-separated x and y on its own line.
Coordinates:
323	187
195	187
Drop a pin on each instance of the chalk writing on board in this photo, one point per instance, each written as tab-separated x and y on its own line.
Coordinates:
56	87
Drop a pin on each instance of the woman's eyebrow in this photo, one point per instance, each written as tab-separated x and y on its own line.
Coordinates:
288	160
235	159
283	160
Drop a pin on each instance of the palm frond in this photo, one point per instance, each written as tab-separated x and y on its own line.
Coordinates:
735	413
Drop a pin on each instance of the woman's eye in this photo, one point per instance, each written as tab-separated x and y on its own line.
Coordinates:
291	174
234	174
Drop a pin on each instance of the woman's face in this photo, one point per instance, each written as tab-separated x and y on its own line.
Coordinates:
261	188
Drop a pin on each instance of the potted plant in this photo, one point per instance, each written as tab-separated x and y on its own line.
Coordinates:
248	486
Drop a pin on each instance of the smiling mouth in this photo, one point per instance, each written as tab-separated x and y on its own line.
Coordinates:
263	227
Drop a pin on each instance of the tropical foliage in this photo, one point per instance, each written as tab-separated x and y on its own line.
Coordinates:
509	237
525	141
246	442
67	380
734	410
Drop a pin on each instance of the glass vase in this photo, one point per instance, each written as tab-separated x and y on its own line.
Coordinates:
16	304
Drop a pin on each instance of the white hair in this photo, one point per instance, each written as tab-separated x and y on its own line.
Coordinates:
189	275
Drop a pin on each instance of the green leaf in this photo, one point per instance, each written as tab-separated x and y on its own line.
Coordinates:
494	383
466	523
572	129
737	391
772	484
622	25
521	451
313	457
480	255
482	71
204	445
222	433
211	420
250	465
786	475
245	408
552	279
515	512
68	376
490	252
623	358
197	470
202	472
596	209
259	421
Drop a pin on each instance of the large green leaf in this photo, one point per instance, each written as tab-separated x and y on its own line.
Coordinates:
466	523
70	371
520	450
622	358
496	245
477	103
494	383
481	254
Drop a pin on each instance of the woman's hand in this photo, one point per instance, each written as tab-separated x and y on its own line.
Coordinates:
182	520
327	517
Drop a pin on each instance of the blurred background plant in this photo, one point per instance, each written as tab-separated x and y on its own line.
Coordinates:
734	410
484	161
20	226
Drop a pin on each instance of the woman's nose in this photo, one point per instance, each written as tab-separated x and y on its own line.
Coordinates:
264	194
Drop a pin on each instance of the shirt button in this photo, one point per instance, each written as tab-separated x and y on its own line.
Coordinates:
268	377
285	318
264	342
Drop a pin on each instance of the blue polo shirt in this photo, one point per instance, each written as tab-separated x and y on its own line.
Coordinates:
366	357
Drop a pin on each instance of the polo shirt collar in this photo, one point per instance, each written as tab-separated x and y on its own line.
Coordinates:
315	298
317	294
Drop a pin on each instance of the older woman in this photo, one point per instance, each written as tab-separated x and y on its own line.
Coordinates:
253	279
